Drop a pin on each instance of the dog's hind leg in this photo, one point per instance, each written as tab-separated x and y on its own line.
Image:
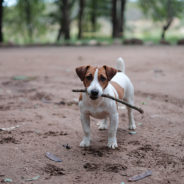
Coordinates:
102	125
132	125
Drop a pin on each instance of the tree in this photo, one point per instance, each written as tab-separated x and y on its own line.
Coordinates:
64	21
88	13
115	29
118	18
97	9
62	15
1	21
122	17
30	17
162	11
94	14
81	12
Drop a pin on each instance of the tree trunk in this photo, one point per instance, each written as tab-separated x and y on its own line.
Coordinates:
122	18
165	28
28	19
115	30
59	33
81	11
66	19
1	21
61	21
94	15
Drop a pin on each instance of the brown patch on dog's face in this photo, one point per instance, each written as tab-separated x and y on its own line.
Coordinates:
86	74
110	72
89	76
81	71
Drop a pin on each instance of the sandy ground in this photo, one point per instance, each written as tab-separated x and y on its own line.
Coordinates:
48	117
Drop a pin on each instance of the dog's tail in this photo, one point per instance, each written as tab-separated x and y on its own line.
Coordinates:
120	65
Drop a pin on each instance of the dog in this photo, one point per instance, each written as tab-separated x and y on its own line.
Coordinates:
98	81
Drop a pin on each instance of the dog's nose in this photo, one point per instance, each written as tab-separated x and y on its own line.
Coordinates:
94	92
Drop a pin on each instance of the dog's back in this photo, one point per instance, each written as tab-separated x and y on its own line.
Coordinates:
122	79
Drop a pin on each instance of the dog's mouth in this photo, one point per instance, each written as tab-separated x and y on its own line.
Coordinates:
93	97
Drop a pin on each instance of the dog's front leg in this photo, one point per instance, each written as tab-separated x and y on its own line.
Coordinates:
112	141
85	120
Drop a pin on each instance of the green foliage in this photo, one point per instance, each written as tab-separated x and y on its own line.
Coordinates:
162	10
26	20
55	15
93	10
102	7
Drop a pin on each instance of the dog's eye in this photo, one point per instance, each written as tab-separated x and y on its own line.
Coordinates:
102	78
89	77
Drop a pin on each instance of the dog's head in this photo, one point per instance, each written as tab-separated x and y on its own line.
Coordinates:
95	79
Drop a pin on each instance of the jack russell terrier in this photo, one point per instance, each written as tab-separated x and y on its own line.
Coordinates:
104	80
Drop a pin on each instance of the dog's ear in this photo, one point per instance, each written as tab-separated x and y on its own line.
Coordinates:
110	72
81	71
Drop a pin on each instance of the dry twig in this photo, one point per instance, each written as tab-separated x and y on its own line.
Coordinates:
112	98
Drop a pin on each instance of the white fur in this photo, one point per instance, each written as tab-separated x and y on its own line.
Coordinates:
120	64
104	108
95	85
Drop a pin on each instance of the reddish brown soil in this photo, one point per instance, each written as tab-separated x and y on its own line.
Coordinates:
46	110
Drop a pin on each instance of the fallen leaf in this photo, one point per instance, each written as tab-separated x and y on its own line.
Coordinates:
140	176
53	157
24	78
33	179
10	128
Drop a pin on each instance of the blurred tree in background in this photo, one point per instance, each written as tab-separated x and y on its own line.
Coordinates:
118	18
80	17
63	16
92	10
1	21
29	18
163	11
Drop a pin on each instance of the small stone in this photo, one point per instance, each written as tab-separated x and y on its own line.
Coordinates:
8	180
132	132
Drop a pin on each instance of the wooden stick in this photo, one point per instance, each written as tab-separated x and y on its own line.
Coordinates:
112	98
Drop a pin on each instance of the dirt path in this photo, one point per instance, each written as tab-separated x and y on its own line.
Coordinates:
158	77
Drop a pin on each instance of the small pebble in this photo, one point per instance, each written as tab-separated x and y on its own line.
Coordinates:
67	146
132	132
8	180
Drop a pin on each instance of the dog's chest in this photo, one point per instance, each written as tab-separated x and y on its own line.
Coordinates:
99	112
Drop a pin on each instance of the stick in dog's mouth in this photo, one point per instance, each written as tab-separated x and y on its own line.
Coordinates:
112	98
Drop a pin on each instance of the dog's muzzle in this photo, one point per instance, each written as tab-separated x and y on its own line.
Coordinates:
94	94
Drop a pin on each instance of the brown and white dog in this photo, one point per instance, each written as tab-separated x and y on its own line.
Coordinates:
104	80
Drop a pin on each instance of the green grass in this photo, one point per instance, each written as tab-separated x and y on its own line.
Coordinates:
153	37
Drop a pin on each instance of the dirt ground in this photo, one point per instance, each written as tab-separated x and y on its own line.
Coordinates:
48	117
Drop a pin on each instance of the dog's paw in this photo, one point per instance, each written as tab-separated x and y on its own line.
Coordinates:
112	144
132	126
85	142
102	126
